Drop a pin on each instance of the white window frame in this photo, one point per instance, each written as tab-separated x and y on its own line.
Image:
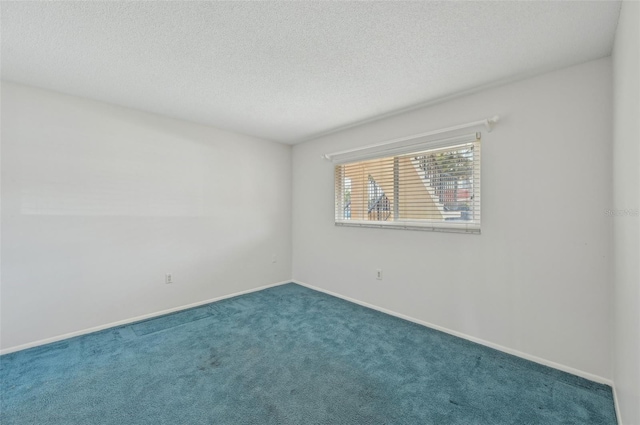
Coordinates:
407	146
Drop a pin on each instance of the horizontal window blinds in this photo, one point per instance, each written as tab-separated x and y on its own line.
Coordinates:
435	186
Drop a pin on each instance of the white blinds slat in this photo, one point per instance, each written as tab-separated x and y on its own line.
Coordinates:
435	188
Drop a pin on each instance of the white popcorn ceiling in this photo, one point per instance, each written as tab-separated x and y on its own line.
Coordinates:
288	71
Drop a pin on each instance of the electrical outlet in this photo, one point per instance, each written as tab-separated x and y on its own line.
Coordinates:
274	258
379	274
168	278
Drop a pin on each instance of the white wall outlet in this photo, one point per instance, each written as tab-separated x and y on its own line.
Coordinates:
379	274
168	278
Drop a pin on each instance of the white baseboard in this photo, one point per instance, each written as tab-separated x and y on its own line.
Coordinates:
517	353
133	319
498	347
615	403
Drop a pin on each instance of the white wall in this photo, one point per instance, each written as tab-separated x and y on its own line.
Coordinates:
626	203
99	202
538	278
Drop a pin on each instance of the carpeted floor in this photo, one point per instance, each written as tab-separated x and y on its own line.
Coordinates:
287	355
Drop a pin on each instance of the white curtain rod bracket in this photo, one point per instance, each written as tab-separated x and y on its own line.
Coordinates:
490	122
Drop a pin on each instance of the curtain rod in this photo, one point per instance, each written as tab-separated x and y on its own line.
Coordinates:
488	123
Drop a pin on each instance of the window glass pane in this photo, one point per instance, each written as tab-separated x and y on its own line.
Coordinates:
438	188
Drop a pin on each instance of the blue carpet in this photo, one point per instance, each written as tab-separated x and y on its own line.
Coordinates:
287	355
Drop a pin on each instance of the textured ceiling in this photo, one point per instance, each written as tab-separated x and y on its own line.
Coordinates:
288	71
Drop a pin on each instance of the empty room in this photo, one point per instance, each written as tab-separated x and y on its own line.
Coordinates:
320	212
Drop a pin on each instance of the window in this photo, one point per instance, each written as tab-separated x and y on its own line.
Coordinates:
423	185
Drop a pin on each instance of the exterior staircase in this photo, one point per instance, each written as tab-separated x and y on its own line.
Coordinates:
441	187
